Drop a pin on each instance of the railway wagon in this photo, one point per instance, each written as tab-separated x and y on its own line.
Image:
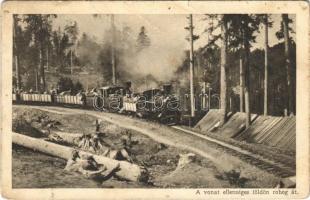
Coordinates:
68	99
155	104
47	99
36	97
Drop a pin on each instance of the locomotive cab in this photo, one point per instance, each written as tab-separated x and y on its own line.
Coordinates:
111	90
110	98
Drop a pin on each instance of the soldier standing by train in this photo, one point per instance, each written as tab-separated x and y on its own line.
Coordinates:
128	91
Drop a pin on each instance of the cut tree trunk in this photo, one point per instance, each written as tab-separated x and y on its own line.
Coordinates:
127	170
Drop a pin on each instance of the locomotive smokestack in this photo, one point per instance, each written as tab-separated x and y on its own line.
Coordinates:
113	51
167	88
128	87
128	84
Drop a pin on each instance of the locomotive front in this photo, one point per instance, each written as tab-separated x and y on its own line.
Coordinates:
155	104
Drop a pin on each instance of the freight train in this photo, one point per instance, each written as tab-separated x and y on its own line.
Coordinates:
155	104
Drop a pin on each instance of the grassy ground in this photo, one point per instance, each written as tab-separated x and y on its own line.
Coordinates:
160	160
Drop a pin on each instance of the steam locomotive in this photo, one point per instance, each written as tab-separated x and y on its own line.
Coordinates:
155	104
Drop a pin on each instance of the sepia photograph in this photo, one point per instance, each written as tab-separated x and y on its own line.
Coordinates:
155	101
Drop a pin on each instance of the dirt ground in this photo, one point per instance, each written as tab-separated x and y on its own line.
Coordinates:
33	169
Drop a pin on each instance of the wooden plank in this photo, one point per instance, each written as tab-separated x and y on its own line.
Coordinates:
289	141
289	134
253	130
282	133
279	132
260	127
208	121
234	125
256	128
267	138
266	126
266	131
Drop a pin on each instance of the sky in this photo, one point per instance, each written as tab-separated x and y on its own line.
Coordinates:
163	30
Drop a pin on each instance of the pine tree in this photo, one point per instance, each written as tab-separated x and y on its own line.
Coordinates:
72	32
143	41
284	33
16	34
242	29
265	18
285	22
40	27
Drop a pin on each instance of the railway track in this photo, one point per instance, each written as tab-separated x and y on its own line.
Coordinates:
267	163
271	165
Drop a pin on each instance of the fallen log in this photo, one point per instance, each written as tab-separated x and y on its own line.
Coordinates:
68	137
128	171
95	145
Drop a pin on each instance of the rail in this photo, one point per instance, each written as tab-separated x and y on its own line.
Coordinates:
258	160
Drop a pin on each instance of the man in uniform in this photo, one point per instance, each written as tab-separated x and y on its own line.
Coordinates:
88	166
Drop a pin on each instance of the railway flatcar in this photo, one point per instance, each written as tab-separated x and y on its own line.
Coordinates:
156	104
68	99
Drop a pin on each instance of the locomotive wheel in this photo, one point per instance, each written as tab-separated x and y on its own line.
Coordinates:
98	103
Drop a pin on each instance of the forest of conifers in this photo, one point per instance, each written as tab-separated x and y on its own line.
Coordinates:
246	79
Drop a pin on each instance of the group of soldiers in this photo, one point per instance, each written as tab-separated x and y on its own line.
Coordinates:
87	165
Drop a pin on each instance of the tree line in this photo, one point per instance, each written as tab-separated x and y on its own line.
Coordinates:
40	48
258	81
